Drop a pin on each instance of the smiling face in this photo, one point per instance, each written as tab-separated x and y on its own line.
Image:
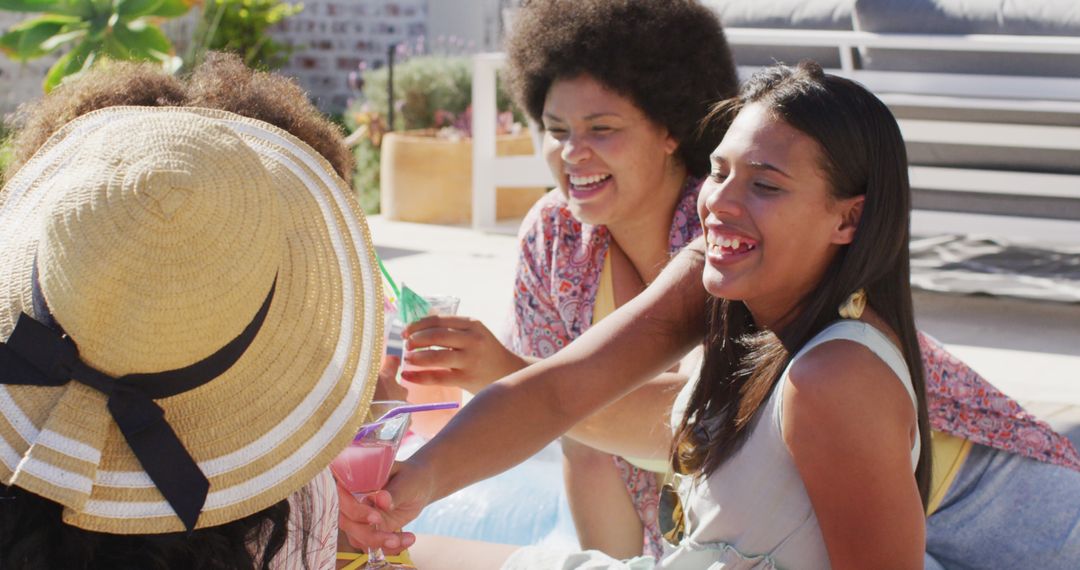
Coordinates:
611	161
770	220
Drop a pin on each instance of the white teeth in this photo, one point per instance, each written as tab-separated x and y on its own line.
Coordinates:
586	180
730	246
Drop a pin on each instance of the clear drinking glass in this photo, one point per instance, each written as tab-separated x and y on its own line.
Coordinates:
364	466
428	424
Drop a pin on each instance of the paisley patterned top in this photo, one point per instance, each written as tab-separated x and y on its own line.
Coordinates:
559	269
964	404
555	287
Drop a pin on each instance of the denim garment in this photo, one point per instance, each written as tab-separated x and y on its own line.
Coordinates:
1006	511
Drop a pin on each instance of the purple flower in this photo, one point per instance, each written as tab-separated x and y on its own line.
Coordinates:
356	81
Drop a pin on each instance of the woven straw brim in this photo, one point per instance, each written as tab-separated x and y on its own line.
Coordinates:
265	427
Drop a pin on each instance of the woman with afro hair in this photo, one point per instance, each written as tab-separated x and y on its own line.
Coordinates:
620	108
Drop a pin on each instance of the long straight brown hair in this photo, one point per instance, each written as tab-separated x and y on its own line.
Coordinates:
862	154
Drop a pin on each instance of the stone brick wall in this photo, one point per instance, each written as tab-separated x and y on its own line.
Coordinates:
336	35
332	37
19	82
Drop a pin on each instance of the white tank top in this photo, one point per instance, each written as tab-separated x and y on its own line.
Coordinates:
753	511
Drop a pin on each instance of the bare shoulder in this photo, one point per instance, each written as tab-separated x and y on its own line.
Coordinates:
840	366
843	385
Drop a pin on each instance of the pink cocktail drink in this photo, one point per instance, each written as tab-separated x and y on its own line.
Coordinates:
364	467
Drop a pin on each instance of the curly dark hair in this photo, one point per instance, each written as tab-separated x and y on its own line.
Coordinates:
669	57
110	85
222	82
33	536
32	532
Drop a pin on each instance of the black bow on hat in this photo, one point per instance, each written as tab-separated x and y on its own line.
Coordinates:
37	355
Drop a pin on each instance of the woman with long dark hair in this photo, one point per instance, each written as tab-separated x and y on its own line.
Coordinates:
778	264
800	444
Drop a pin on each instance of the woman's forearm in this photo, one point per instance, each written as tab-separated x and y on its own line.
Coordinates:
516	416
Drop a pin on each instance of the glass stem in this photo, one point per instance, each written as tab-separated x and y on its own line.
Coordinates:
375	559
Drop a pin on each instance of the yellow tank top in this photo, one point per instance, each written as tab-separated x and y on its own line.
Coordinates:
603	306
949	453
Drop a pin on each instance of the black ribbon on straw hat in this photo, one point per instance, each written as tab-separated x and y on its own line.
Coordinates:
37	355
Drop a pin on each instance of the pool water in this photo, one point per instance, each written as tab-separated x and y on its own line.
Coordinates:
524	505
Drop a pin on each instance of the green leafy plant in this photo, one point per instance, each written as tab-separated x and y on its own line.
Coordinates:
366	178
242	27
6	152
431	92
118	29
423	86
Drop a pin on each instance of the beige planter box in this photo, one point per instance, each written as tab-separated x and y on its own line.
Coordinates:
429	180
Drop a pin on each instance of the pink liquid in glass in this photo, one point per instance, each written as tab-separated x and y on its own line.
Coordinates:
364	467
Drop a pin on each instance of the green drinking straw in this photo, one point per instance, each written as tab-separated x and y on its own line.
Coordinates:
413	307
390	280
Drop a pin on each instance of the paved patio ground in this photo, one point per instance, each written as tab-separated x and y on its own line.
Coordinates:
1030	350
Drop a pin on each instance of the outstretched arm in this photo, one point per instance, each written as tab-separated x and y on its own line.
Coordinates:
618	429
515	417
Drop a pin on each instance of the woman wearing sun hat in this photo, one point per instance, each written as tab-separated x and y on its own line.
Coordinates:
192	333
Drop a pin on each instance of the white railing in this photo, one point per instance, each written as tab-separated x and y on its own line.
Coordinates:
1046	93
489	171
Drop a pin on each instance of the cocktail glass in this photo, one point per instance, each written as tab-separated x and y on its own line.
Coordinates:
364	466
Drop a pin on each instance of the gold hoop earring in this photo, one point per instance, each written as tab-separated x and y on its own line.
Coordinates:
854	306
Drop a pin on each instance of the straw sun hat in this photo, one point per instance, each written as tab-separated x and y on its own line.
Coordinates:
203	264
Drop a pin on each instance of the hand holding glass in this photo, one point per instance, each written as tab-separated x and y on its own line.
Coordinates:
364	466
430	424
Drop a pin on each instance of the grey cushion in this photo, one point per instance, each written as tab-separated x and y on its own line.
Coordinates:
1015	17
1016	158
983	110
797	14
784	14
1021	158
